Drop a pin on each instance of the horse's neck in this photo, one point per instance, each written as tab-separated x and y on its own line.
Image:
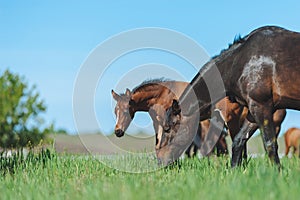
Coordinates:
206	89
196	97
144	100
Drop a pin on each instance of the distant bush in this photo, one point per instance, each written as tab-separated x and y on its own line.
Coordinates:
60	131
21	123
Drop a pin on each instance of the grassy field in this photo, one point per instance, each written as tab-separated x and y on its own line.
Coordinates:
48	175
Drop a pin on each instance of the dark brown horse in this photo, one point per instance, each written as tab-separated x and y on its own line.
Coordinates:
154	96
260	71
292	138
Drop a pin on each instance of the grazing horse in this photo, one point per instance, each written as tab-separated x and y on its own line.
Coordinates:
291	138
155	96
259	71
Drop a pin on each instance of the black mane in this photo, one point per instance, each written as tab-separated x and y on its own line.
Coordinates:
238	39
267	30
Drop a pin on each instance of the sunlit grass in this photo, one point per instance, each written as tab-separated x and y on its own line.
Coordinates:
47	175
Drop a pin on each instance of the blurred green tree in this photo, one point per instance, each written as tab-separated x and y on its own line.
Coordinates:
21	123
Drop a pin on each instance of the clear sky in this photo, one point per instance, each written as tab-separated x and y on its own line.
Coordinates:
47	42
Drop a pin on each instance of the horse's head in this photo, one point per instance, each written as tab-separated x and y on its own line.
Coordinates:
124	111
164	135
178	133
172	117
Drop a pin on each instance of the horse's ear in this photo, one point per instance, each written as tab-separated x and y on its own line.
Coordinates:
175	107
128	93
115	95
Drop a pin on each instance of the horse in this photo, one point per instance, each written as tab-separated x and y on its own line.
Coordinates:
154	96
259	71
291	138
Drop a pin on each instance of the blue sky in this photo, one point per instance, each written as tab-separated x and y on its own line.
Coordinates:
47	42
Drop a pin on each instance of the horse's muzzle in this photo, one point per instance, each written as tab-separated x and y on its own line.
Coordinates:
119	132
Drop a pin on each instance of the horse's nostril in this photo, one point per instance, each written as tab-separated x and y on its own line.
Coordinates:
119	132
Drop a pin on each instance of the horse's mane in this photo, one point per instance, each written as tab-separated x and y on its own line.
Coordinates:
238	39
149	82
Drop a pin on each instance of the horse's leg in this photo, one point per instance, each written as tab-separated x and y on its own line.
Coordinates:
294	150
277	129
221	145
193	148
233	134
190	150
287	149
197	140
287	146
212	138
219	148
252	128
234	125
299	150
239	143
263	115
157	134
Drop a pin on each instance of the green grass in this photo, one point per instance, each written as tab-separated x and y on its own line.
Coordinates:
50	176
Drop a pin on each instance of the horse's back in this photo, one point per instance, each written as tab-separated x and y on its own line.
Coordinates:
270	60
292	136
289	132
